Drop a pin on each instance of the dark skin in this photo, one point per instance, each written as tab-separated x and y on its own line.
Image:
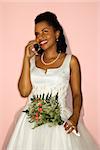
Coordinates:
75	83
45	32
57	64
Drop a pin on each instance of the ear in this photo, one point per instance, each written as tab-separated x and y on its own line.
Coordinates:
57	34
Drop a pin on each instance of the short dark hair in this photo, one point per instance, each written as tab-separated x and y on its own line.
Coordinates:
52	20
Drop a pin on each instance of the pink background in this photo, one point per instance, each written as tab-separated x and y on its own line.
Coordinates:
81	25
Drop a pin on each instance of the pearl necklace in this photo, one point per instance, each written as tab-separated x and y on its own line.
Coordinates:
50	63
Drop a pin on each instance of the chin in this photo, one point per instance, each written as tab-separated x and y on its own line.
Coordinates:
44	48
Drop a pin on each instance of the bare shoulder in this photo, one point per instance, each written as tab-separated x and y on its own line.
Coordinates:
75	64
74	61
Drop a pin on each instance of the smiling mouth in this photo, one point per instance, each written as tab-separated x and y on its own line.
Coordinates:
43	42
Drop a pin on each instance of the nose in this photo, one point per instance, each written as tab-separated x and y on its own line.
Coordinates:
40	36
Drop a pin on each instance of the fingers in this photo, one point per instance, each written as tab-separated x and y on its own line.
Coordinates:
30	47
31	44
69	127
69	130
33	41
34	51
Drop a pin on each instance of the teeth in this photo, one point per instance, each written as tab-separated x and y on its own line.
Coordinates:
43	42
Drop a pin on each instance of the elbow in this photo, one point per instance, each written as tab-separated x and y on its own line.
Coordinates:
24	92
78	96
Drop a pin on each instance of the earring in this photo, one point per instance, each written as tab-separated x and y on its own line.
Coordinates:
59	51
57	40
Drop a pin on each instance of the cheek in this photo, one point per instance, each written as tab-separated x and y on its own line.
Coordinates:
52	37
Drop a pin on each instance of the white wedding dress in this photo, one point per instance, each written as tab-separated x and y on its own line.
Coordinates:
45	137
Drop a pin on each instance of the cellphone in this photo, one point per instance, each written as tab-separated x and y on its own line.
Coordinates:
38	48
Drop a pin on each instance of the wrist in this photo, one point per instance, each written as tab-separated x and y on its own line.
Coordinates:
74	119
26	58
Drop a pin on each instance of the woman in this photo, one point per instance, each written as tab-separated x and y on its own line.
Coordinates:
50	75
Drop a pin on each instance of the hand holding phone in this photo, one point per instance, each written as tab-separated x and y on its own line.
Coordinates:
38	48
30	50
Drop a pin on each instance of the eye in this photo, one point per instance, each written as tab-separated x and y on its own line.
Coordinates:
45	31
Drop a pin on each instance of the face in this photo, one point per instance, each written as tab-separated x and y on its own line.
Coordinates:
46	35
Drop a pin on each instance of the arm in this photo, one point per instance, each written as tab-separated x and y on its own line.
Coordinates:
24	83
75	83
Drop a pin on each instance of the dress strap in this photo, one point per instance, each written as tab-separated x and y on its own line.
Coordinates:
66	64
67	60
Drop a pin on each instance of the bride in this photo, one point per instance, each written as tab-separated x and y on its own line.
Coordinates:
51	80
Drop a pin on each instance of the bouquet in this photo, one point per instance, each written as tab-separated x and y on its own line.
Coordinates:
44	110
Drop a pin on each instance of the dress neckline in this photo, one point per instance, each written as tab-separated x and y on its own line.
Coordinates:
49	69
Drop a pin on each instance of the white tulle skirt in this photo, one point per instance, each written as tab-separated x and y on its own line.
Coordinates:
49	138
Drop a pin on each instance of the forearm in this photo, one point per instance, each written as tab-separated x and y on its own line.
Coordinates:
24	83
77	104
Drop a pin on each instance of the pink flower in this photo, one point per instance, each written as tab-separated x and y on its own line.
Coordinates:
37	118
37	114
40	109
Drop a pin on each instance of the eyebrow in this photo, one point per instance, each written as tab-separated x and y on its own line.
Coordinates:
42	30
